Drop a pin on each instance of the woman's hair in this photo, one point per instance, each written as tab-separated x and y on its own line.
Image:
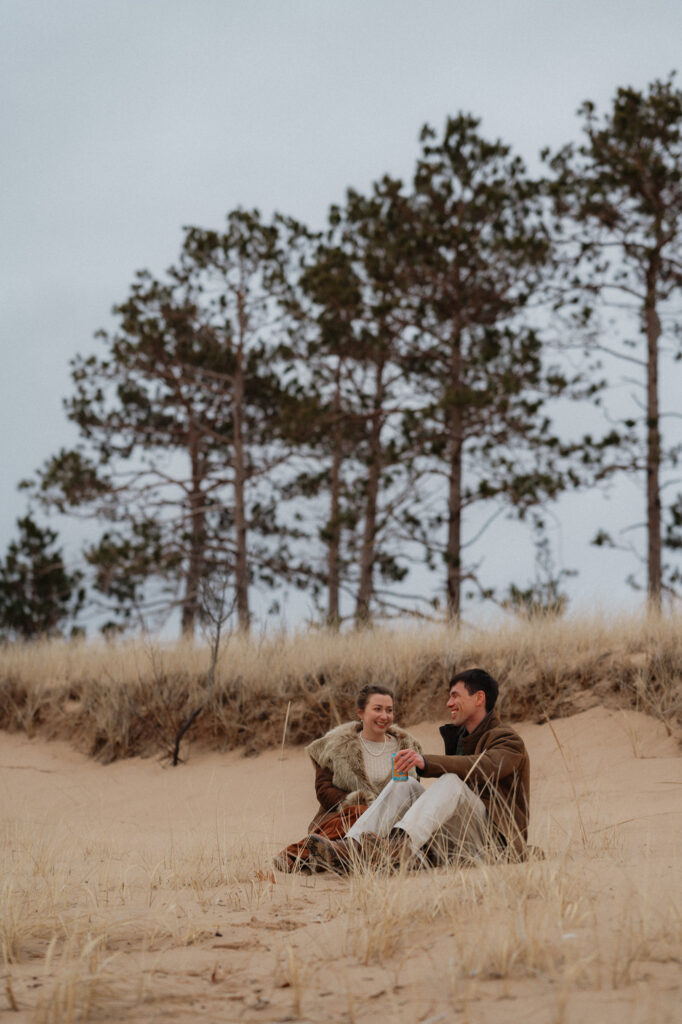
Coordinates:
367	691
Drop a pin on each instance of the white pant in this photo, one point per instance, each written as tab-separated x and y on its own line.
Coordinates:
448	811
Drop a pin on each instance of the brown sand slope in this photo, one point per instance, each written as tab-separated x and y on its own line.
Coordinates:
140	892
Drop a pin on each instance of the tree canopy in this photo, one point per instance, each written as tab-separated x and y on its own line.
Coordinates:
618	197
347	411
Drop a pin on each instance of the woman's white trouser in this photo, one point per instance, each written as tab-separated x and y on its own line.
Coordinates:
448	806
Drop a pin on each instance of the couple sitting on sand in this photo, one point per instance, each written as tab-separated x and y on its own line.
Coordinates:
477	809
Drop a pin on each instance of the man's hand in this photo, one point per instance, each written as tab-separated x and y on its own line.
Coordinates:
406	759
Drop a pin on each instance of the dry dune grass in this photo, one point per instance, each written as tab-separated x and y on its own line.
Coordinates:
131	697
521	921
136	893
82	910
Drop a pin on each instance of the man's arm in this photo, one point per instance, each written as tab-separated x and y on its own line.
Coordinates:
406	759
502	757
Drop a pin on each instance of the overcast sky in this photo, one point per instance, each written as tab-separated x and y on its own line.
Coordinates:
122	120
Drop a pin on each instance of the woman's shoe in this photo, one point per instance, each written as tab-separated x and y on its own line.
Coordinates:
340	856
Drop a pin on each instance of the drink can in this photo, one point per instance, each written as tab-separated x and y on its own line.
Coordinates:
397	777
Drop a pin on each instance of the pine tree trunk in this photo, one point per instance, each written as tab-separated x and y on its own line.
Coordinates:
653	462
241	560
453	554
190	602
334	525
366	586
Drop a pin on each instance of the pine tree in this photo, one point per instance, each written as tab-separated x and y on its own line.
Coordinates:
328	433
352	298
178	422
480	254
37	593
618	197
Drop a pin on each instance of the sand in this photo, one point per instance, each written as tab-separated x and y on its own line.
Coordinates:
141	892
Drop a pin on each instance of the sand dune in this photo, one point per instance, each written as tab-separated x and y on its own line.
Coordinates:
140	892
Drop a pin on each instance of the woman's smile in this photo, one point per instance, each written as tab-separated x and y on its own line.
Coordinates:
376	716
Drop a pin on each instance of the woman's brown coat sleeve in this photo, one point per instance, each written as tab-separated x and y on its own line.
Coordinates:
328	794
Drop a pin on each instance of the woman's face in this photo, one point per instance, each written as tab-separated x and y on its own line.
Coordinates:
376	716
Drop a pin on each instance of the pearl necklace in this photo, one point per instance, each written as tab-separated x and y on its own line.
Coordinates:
373	753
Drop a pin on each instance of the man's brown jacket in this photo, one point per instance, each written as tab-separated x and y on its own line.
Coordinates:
494	763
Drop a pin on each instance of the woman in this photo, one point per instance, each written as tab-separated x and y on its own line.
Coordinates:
352	765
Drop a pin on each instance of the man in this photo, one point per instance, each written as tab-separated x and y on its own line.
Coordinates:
476	809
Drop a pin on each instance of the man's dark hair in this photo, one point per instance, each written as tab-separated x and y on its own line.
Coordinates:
476	679
367	691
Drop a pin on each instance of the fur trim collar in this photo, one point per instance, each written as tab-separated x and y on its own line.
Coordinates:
340	751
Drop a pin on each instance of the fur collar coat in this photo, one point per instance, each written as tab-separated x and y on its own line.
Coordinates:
340	776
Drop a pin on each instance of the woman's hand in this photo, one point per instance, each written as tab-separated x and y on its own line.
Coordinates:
406	759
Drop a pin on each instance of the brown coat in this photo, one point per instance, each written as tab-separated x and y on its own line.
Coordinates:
494	763
340	777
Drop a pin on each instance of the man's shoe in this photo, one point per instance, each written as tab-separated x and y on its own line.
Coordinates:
338	855
393	851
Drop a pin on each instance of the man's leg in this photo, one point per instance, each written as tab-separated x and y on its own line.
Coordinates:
394	799
448	814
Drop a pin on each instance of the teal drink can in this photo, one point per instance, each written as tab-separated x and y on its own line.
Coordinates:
397	777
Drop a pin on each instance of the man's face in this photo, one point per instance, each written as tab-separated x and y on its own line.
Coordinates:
465	707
